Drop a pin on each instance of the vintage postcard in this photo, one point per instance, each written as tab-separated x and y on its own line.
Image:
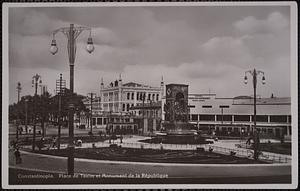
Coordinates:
150	95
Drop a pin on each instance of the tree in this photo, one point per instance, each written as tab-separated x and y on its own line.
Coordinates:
46	108
43	111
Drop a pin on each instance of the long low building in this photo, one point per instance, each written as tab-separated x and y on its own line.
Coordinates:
234	116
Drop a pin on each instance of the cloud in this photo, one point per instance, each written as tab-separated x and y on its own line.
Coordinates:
275	22
31	22
104	36
226	51
204	49
170	44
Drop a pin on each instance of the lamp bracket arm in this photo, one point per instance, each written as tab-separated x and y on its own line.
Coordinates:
249	71
77	33
260	72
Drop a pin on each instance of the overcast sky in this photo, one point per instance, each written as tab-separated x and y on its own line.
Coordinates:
208	48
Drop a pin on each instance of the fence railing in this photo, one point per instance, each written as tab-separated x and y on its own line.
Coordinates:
239	152
246	153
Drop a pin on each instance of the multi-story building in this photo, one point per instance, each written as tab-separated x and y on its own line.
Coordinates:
119	97
114	108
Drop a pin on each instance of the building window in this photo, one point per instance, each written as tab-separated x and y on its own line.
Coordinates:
157	97
116	107
206	106
116	96
105	96
94	121
260	118
137	95
104	121
111	96
128	107
207	117
128	96
149	96
112	119
132	95
242	118
224	106
123	108
194	117
270	131
99	121
278	118
224	118
290	119
153	97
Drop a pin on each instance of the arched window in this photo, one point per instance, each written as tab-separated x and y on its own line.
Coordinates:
128	96
128	106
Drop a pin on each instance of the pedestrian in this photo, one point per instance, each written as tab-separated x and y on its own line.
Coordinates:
121	139
248	141
54	142
41	143
18	156
79	143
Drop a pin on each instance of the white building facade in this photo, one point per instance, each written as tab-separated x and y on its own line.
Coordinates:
235	115
112	109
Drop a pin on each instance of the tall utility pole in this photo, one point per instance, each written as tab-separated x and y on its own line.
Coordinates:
60	88
36	80
71	33
143	120
26	115
19	88
91	116
254	74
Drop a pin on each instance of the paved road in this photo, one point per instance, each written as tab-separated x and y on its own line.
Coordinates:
87	166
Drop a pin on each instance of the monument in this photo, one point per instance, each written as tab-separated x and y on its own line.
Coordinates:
176	127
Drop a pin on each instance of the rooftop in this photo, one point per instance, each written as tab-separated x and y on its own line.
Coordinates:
133	84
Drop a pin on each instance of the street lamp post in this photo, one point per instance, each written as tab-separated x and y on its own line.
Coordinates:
60	88
91	116
254	74
18	119
36	80
71	33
